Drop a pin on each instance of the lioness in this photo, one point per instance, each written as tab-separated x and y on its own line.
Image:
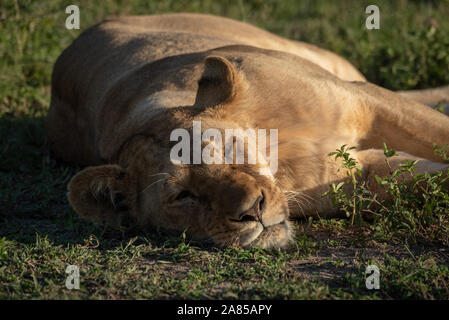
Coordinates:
122	87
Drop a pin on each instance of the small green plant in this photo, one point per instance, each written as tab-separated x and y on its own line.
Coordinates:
352	203
441	150
416	205
441	106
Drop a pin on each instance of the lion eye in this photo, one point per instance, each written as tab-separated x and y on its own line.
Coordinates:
184	194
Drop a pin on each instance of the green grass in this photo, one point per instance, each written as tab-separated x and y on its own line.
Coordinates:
40	234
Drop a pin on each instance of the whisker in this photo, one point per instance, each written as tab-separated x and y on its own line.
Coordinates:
157	174
304	198
299	198
160	180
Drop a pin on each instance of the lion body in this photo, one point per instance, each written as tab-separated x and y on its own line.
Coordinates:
126	80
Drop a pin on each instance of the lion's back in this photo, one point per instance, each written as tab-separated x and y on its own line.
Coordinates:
108	52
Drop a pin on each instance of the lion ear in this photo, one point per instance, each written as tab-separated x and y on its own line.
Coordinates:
218	83
102	194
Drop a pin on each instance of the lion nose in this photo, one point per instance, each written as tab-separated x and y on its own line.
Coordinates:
255	212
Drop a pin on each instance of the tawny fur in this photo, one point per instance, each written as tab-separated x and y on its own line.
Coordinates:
121	88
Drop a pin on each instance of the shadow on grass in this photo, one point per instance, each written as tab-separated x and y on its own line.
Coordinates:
33	187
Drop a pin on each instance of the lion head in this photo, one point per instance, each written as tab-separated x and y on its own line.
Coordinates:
231	204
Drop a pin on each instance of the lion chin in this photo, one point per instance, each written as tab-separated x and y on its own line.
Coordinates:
277	236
